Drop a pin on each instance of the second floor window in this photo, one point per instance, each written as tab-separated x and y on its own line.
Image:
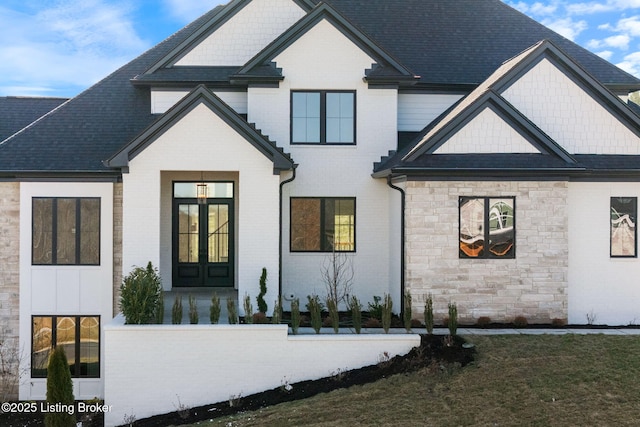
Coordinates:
66	231
323	117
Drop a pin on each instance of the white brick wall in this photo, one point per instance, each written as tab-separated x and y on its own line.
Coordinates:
324	59
568	114
245	34
534	284
201	141
607	287
223	361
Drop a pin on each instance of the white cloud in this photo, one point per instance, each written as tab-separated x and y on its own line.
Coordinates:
566	27
71	43
537	8
188	10
631	63
605	54
620	41
590	8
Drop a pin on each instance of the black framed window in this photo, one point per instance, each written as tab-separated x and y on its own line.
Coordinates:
323	224
623	230
80	337
66	231
323	117
487	227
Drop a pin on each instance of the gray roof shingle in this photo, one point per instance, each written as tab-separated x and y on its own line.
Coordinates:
16	112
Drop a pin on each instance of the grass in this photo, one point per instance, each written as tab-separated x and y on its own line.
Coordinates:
548	380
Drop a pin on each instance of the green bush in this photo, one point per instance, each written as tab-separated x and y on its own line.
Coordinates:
262	304
375	308
214	309
248	309
160	309
332	307
59	390
140	295
277	312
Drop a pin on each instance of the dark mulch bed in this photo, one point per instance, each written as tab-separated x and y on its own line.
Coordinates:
433	348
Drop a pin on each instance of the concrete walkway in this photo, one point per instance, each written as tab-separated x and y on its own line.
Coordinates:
550	331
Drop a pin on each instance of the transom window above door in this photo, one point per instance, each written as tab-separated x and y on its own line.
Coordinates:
215	190
323	117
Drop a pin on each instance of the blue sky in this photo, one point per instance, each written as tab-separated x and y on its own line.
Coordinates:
61	47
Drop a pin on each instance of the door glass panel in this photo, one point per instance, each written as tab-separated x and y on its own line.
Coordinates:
218	238
188	229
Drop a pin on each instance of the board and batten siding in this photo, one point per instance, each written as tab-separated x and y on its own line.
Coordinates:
416	111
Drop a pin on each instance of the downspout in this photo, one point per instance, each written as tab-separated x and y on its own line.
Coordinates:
402	243
286	181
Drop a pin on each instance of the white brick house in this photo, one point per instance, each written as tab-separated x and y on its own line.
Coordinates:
503	178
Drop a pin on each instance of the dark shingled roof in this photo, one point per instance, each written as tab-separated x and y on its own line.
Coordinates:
17	112
449	43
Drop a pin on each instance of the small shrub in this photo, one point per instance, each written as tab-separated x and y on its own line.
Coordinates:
428	314
387	308
276	318
314	307
59	390
452	323
259	318
558	323
406	316
214	309
176	310
356	313
140	295
334	318
248	309
232	311
262	304
295	316
483	321
193	311
375	308
520	322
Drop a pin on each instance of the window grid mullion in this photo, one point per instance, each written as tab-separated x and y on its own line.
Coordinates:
323	117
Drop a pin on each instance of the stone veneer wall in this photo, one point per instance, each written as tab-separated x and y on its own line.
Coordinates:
9	278
117	245
534	284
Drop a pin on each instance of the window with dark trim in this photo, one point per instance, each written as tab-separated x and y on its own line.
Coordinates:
323	224
80	337
623	231
66	231
487	227
323	117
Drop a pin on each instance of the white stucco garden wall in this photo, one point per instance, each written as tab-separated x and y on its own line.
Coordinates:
324	59
64	290
601	286
201	141
224	361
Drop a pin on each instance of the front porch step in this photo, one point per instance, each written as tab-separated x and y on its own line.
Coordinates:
203	300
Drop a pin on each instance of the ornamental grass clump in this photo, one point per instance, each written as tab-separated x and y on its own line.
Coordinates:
387	309
176	310
232	312
248	309
314	307
356	313
332	307
140	295
295	316
193	311
276	318
406	316
452	322
428	314
214	309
